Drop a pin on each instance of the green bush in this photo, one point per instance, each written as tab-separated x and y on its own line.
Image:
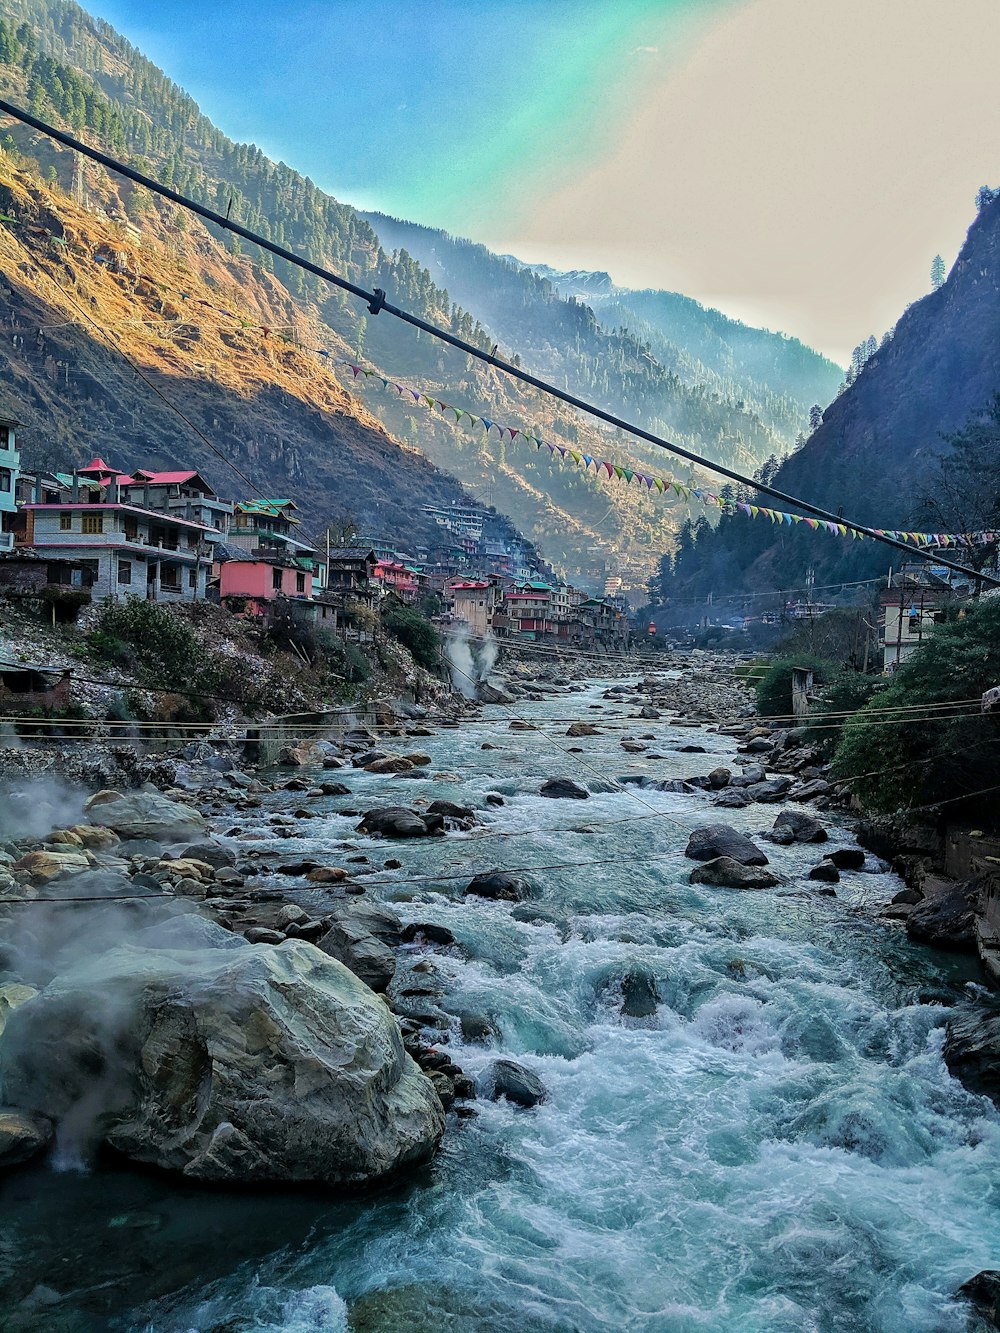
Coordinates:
415	633
774	689
845	693
160	646
919	755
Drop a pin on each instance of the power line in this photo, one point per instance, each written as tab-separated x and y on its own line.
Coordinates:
376	302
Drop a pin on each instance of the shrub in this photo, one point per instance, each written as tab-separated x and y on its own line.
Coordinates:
901	759
845	693
160	645
415	633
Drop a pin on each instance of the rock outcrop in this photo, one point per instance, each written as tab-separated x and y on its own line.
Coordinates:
723	872
713	840
233	1063
145	814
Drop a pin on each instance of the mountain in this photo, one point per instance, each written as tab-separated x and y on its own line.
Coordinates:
77	71
876	455
737	393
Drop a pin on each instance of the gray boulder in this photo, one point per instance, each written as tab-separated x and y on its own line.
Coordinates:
211	852
395	821
145	814
582	729
972	1052
723	872
732	799
826	872
506	1078
498	885
803	827
983	1293
770	791
22	1136
563	789
364	935
719	778
809	791
947	916
462	815
847	858
234	1065
713	840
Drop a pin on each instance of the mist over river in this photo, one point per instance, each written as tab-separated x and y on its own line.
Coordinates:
778	1149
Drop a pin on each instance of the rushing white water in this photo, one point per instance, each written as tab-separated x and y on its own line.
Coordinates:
780	1148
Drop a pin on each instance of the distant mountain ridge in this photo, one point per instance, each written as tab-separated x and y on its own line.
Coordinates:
876	453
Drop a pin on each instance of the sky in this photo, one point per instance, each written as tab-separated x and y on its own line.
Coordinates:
796	163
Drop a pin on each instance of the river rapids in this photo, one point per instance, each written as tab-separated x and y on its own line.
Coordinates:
779	1149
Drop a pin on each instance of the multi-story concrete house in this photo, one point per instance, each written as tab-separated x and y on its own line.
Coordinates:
270	527
115	546
10	467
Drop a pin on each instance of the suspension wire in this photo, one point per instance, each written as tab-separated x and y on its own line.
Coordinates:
376	302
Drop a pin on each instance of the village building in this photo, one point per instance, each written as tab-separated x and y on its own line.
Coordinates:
10	468
270	526
911	608
351	572
249	584
472	602
114	547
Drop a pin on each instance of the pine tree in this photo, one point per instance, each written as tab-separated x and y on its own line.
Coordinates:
815	417
937	273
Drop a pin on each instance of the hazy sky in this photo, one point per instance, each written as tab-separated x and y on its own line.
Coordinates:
797	163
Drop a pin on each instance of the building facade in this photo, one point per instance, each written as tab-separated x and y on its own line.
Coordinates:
10	468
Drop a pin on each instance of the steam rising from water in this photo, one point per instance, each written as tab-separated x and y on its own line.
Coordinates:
468	668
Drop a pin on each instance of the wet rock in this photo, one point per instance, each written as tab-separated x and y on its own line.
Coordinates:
752	773
326	875
363	936
769	791
499	886
724	872
639	997
760	745
506	1078
633	747
302	755
809	791
421	932
236	1065
141	814
494	798
393	763
803	827
826	872
650	712
396	821
947	916
492	692
983	1293
582	729
563	789
418	759
480	1028
214	853
334	789
732	799
22	1136
263	935
690	749
719	778
462	815
972	1052
907	897
43	866
713	840
290	914
847	858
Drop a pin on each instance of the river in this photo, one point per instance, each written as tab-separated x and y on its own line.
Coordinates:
780	1148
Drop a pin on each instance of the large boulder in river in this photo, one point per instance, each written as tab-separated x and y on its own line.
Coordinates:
802	827
947	915
145	814
713	840
508	1079
769	791
395	821
972	1052
233	1063
498	885
363	935
725	873
564	789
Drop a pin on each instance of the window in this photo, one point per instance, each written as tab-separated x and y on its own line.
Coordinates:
276	580
89	572
93	523
192	578
5	478
124	571
4	437
66	521
300	582
131	530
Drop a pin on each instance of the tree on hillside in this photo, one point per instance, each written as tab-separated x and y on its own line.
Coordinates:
984	196
815	417
937	273
964	493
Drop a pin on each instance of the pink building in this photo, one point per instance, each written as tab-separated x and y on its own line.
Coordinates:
256	582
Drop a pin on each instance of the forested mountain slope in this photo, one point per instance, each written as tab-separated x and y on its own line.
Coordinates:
77	71
880	455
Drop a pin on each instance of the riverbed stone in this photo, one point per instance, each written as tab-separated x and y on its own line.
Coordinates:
363	936
396	821
733	798
947	916
847	858
145	814
509	1080
582	729
232	1064
713	840
563	789
826	872
724	872
22	1136
803	827
769	791
499	885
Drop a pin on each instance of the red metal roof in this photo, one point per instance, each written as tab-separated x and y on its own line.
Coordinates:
98	465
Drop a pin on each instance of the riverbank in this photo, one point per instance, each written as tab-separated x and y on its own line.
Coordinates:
691	1042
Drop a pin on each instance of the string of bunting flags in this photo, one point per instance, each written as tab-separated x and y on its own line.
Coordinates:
661	485
600	466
